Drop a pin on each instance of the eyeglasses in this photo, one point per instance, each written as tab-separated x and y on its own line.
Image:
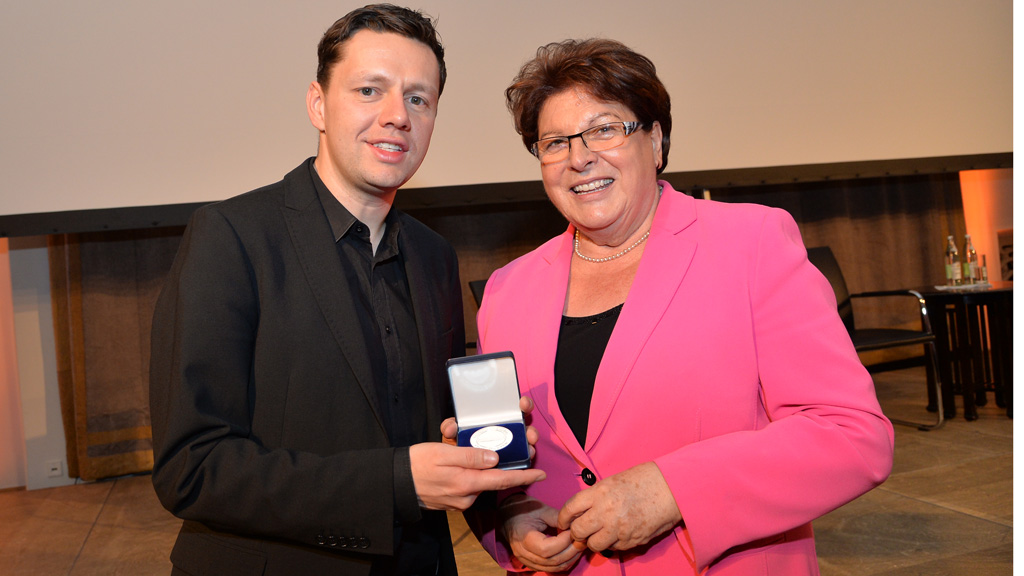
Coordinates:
596	139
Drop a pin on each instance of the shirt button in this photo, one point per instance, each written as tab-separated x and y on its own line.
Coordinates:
588	477
387	329
395	398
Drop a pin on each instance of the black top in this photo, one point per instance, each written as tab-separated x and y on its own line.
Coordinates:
581	344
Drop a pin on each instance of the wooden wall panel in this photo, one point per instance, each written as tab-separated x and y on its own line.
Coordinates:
104	288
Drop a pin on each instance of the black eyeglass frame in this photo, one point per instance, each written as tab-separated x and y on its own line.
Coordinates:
628	128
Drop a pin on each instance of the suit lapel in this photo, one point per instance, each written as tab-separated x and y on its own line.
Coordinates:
424	292
666	259
548	294
311	236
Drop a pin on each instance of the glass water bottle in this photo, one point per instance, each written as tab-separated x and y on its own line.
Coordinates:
953	271
970	275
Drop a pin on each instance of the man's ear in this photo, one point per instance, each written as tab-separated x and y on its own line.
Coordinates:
315	105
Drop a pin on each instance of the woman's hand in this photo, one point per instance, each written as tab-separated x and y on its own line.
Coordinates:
529	528
623	511
449	431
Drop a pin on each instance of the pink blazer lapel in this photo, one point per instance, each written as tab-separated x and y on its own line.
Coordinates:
666	258
548	293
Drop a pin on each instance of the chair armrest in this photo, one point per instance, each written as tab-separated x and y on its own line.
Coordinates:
926	325
873	294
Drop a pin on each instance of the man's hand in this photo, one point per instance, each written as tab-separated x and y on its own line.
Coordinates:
450	477
530	528
623	511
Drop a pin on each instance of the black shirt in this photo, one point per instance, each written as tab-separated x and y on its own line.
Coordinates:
379	285
378	282
581	345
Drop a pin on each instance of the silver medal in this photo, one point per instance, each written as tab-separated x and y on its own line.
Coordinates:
491	438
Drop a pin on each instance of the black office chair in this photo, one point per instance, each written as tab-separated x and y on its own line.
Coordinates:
866	339
477	288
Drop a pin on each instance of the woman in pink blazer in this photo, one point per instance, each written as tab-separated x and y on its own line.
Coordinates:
697	399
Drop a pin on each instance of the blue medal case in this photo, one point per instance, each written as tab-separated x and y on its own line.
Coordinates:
485	391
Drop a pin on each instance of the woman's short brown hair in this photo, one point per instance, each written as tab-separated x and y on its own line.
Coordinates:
379	18
605	69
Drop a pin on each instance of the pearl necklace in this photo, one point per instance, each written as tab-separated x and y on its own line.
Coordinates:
576	248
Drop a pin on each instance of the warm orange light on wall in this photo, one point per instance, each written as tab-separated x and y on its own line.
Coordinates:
12	435
988	209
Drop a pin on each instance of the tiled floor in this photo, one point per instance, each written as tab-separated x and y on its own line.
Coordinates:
947	509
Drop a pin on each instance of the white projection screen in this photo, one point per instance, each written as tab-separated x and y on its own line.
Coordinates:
113	104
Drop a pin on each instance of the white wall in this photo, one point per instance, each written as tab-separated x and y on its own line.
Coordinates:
36	362
110	103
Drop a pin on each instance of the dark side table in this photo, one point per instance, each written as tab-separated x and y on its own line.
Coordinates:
974	340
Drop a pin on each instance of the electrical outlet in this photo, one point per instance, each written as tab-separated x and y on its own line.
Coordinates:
55	468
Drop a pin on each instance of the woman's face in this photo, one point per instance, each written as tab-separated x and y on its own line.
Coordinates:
608	195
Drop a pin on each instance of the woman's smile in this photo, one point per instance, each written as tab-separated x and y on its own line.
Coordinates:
592	186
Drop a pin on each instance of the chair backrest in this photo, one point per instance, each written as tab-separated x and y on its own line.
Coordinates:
825	261
477	288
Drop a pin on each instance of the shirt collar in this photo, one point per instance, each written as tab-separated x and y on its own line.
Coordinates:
341	220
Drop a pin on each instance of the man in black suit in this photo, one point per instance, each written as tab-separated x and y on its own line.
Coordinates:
297	371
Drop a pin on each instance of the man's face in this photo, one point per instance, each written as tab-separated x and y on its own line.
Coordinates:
377	113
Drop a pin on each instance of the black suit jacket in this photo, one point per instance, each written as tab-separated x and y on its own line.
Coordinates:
267	435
